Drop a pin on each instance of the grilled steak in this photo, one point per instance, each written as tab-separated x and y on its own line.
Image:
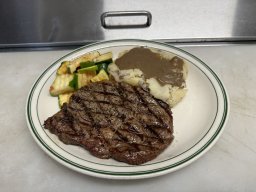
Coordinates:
115	120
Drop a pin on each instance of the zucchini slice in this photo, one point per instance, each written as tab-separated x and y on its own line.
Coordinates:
102	66
104	58
73	82
84	78
61	84
101	76
86	64
74	64
64	98
63	69
87	69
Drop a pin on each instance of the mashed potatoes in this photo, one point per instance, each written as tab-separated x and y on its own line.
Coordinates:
167	93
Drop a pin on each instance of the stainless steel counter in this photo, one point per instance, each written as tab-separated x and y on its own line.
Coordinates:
229	166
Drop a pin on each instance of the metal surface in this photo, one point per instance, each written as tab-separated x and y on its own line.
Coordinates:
35	23
126	19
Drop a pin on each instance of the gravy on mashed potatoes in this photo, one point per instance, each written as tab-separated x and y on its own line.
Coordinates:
164	77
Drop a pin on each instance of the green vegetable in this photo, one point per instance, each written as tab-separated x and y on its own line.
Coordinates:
64	98
81	79
72	75
73	65
101	76
103	66
84	78
86	64
63	69
91	68
61	84
104	58
73	82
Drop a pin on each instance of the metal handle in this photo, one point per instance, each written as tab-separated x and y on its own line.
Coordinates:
126	19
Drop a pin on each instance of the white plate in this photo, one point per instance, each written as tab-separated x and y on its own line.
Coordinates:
199	118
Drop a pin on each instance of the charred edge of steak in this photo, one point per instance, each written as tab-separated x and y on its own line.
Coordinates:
115	120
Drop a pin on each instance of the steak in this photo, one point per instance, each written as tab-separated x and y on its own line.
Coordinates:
115	120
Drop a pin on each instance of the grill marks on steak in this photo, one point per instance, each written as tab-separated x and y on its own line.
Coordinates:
115	120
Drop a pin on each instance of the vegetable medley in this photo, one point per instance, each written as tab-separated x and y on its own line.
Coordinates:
74	74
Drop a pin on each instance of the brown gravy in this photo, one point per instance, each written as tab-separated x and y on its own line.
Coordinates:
166	71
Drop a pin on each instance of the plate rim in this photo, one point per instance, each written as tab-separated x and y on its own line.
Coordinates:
139	174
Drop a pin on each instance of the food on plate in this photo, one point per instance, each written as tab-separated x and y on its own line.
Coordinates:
74	74
101	76
76	63
67	83
164	75
115	120
118	108
64	98
131	76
